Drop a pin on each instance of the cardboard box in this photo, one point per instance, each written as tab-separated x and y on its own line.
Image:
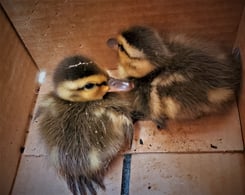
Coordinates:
36	35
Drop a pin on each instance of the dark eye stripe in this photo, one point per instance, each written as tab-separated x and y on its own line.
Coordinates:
122	49
120	46
91	85
103	83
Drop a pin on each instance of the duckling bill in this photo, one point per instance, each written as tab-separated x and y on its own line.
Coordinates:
83	126
175	77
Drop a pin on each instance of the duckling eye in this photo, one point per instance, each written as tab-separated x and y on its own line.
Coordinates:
89	86
103	83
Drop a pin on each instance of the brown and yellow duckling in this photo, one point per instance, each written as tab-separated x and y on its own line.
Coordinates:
175	77
82	125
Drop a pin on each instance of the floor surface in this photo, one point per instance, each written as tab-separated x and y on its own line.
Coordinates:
200	157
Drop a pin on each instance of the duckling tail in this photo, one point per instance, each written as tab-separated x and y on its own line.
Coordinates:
79	186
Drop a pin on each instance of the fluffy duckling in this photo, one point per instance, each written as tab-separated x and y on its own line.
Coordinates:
175	77
82	125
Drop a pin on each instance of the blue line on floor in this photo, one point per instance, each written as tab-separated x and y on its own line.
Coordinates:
126	174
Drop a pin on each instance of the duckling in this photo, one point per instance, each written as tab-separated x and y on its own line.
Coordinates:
175	77
83	126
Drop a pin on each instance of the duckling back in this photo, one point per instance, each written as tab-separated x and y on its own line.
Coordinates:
197	80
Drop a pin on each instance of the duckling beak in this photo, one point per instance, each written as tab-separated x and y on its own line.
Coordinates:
112	43
119	85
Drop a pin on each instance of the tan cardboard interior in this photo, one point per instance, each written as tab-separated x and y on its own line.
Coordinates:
36	35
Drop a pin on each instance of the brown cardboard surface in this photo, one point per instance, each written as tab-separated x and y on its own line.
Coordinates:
54	29
240	42
173	174
17	86
214	133
34	143
37	176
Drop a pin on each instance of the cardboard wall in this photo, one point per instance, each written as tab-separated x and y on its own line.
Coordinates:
240	42
17	89
54	29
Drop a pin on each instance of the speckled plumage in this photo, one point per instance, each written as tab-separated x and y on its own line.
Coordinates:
83	137
176	77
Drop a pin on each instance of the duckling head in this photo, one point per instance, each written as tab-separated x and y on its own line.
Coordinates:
78	79
140	50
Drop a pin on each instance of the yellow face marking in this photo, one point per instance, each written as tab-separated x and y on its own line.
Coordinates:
220	95
73	85
132	61
122	72
69	90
